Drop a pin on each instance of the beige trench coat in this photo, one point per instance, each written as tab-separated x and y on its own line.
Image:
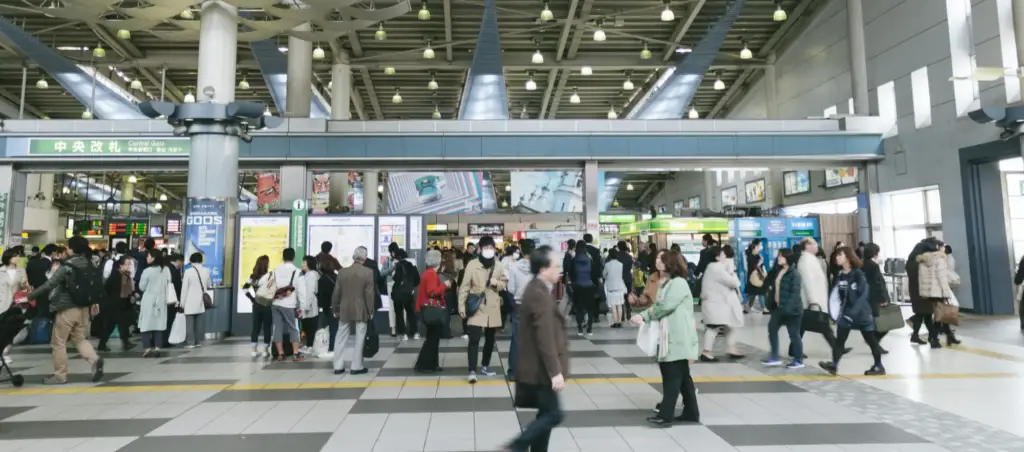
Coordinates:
475	281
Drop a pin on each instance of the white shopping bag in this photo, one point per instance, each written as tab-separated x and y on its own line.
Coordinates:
177	329
320	342
648	337
953	301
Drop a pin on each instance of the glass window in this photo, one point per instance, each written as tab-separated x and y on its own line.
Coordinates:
851	105
961	45
887	106
1013	184
1016	207
831	111
905	239
908	209
934	206
1018	250
922	98
1011	164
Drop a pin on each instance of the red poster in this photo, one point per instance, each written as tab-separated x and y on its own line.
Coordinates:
268	191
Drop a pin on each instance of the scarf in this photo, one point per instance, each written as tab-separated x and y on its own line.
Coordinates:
488	263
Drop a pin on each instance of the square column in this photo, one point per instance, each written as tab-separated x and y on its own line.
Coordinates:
13	197
591	204
300	76
371	178
339	189
295	184
771	89
341	86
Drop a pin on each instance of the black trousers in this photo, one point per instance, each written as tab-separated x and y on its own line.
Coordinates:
309	329
171	314
428	360
934	328
405	315
829	336
584	303
535	437
676	380
118	314
262	320
869	336
474	345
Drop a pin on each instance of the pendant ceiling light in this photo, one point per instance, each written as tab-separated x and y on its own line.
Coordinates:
132	179
189	98
546	14
187	14
424	13
436	114
163	197
380	34
746	54
629	187
615	203
124	34
586	70
612	114
99	52
136	84
599	35
693	113
87	114
243	83
719	84
42	83
780	14
389	70
538	58
628	84
397	98
667	15
318	53
266	111
530	84
575	98
158	206
432	84
428	53
645	54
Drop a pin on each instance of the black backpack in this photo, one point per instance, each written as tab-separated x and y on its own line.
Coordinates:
86	285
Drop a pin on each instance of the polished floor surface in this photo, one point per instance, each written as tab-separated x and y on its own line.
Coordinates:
216	398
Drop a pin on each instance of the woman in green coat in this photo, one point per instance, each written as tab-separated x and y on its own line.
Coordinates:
678	344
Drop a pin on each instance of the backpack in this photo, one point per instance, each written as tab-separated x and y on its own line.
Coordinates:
86	285
265	295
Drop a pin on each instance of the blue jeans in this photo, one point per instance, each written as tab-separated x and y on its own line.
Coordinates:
792	324
751	298
514	321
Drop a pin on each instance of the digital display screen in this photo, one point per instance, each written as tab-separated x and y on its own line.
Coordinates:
122	228
173	224
487	229
117	228
89	228
156	231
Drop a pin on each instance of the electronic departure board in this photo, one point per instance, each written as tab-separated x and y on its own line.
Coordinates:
89	228
126	227
173	224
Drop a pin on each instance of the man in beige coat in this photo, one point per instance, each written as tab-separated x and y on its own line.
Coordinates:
483	277
352	304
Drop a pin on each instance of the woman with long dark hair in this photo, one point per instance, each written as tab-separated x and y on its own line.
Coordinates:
584	299
853	311
403	296
756	278
261	315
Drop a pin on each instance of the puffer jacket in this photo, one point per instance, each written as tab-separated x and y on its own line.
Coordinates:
932	276
790	302
58	287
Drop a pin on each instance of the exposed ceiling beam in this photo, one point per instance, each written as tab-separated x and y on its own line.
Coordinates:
9	107
798	15
552	75
357	101
564	38
682	28
640	200
558	94
128	50
580	28
448	29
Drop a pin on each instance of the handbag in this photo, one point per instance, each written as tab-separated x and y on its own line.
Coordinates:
371	343
207	298
756	279
172	294
815	320
890	317
946	313
433	314
474	300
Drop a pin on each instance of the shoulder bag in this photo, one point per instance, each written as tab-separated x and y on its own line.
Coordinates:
265	294
207	298
815	320
890	318
474	300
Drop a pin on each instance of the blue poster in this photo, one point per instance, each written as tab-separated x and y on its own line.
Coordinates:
204	233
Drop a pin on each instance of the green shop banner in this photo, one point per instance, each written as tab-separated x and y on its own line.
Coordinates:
108	146
677	225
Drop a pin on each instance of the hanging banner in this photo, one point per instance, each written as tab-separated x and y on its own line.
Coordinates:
321	192
297	236
268	191
258	236
205	233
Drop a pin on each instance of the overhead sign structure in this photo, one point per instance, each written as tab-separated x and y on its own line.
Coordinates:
108	146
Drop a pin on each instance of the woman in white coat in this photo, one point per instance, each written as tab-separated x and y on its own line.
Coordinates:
157	291
720	303
309	310
195	282
12	279
614	287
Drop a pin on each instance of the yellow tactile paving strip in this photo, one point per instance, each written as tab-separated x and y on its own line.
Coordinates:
449	383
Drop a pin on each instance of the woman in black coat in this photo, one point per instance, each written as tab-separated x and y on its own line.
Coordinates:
878	291
755	271
854	311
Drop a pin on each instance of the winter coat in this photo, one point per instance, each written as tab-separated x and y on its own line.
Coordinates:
153	307
813	281
789	292
56	290
650	293
193	285
354	294
308	291
9	285
675	305
720	295
542	345
581	270
933	276
854	308
475	280
878	290
613	281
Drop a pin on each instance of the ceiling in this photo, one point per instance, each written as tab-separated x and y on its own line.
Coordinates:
565	44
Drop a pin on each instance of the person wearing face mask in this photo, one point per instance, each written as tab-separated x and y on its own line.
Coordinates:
483	277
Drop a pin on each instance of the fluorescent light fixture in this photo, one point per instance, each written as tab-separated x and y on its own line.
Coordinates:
586	70
693	113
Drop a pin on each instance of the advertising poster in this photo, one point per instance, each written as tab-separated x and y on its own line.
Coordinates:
321	192
440	193
416	233
268	191
346	233
729	196
796	182
390	229
835	177
355	192
558	191
557	240
754	191
258	236
205	233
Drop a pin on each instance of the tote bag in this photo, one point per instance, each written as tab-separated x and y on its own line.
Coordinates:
648	336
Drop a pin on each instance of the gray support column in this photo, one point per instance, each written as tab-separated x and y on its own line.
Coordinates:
127	194
300	75
218	48
858	56
710	191
339	188
771	89
370	181
13	197
341	86
774	194
591	206
1018	34
295	184
383	182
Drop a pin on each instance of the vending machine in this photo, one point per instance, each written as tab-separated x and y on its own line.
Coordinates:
775	234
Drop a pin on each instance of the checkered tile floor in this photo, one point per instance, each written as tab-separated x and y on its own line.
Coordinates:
217	398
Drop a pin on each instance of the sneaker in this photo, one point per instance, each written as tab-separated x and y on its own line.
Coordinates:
97	370
190	346
590	334
771	362
266	352
256	352
52	380
472	378
465	336
827	366
875	371
486	370
403	338
416	337
327	355
795	365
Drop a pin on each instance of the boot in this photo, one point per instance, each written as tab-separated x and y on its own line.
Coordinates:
916	340
951	339
127	345
935	343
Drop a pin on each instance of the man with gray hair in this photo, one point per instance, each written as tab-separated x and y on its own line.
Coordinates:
352	304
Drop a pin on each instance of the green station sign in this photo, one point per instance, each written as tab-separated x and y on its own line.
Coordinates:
108	146
616	218
683	225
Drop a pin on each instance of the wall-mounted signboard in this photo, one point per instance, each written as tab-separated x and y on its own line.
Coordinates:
492	229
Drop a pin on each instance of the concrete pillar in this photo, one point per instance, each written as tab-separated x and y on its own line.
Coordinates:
339	188
13	195
858	56
300	75
771	89
370	181
218	37
383	177
710	191
1018	34
295	184
127	195
591	206
341	86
